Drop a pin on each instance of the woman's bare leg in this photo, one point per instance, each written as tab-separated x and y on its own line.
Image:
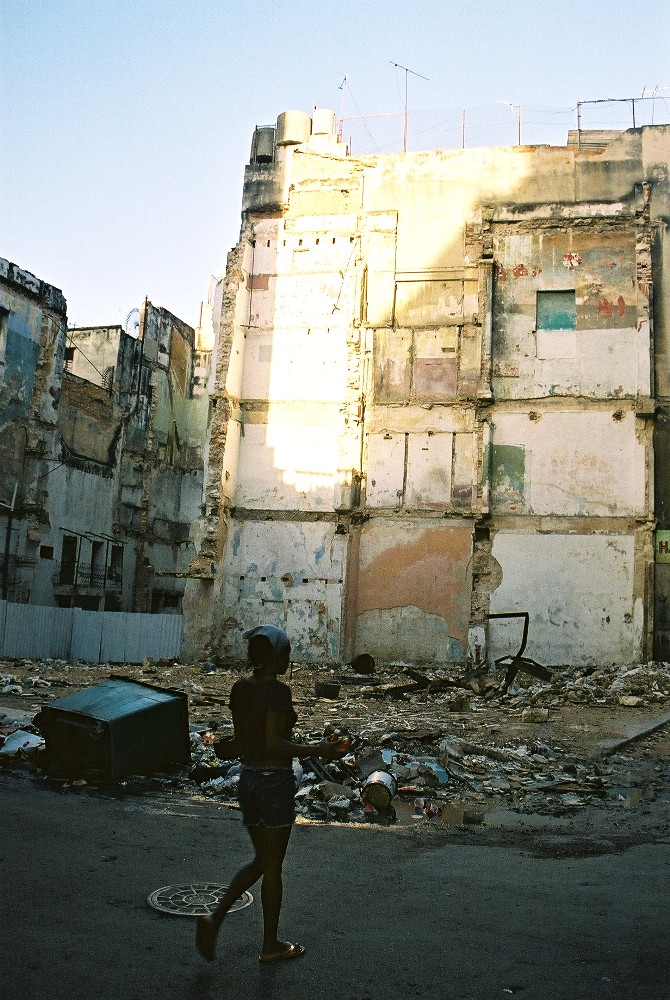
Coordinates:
207	927
271	846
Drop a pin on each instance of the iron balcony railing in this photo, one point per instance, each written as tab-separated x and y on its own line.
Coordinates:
84	575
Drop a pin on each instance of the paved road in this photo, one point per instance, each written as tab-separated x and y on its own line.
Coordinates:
382	912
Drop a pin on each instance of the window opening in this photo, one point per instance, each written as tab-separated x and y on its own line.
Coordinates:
68	565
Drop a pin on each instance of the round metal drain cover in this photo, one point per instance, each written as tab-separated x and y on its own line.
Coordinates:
195	899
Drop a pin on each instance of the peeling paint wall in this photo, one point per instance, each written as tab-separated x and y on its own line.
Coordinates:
412	594
106	455
605	351
440	366
32	340
554	463
92	353
292	577
591	605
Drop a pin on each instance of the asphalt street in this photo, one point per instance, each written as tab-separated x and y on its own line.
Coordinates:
382	912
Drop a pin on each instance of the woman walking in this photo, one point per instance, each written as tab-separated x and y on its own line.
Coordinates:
263	719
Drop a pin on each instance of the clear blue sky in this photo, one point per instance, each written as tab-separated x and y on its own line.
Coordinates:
125	126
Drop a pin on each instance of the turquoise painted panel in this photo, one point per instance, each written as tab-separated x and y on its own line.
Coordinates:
21	357
556	310
508	470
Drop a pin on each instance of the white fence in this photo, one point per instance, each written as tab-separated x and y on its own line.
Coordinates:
31	632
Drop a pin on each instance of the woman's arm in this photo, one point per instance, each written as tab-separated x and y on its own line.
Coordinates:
278	744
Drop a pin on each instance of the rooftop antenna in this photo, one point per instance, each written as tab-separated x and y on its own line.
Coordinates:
407	72
342	87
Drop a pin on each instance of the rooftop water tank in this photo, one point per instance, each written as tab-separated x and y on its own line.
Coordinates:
323	122
263	145
293	128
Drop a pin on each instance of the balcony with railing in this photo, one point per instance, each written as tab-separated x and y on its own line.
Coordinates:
84	576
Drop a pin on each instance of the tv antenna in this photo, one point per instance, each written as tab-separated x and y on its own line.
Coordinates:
407	72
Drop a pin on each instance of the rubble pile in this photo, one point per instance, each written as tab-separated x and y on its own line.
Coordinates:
461	779
464	690
448	745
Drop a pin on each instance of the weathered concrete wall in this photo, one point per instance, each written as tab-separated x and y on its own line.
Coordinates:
287	573
89	422
555	462
579	591
412	599
93	352
32	339
431	359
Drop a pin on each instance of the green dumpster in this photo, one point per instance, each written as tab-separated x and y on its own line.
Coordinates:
118	727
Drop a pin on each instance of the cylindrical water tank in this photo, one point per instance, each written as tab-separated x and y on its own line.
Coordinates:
293	127
323	122
263	145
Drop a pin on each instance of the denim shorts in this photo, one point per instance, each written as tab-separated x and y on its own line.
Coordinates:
267	797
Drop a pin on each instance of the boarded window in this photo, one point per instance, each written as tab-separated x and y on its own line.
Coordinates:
556	310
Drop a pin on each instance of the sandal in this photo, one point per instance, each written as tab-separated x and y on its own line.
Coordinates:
293	951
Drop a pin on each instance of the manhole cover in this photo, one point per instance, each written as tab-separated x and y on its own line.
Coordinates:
195	899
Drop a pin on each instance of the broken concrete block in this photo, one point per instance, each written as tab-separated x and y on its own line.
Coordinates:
535	715
326	790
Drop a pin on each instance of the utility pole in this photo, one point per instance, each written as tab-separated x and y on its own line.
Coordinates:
407	72
516	108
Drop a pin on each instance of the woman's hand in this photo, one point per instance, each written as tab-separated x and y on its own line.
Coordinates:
328	750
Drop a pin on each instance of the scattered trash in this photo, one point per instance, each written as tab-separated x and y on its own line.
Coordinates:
446	741
21	741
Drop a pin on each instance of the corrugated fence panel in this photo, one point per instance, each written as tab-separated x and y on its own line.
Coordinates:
33	632
87	635
153	636
113	641
171	632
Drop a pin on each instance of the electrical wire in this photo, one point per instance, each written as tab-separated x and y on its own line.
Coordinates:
78	348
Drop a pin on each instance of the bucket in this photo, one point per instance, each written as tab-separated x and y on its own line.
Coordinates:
326	689
379	789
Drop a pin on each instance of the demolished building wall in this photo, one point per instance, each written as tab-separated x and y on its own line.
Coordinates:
434	385
32	339
103	439
151	451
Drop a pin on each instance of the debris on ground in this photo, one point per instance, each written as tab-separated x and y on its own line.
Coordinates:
446	746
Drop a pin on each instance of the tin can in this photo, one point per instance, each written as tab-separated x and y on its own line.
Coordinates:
379	789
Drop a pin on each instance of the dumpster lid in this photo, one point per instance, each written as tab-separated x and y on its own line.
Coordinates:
114	698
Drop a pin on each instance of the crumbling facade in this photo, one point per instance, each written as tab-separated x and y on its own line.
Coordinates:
32	340
433	398
102	442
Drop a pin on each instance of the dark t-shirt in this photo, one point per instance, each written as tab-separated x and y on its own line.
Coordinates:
250	702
